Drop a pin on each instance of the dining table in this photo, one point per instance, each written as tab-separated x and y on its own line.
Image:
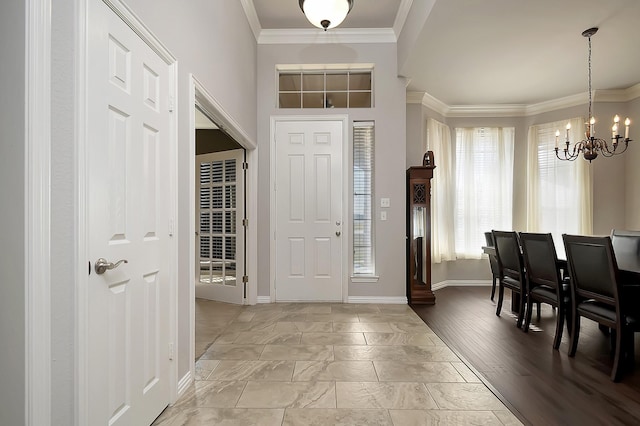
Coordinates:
630	280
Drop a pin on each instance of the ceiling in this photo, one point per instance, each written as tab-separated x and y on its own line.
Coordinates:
497	52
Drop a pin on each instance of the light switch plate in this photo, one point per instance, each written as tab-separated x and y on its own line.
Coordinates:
385	202
383	215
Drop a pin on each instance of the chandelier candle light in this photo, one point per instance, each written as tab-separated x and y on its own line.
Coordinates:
591	146
326	14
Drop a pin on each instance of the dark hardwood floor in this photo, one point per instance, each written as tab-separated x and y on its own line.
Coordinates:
541	386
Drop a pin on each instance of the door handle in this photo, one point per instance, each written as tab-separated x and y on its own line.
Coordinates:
338	233
103	265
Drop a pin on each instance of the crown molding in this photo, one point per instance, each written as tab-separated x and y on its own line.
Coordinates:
401	16
435	104
633	92
415	97
624	95
517	110
507	110
556	104
333	36
252	17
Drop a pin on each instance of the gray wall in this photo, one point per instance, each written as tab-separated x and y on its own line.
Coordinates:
389	114
632	169
416	127
615	197
12	213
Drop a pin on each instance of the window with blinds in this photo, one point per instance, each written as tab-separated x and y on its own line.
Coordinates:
561	191
320	89
217	209
363	161
484	186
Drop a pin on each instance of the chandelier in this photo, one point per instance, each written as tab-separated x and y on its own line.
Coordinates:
591	146
326	14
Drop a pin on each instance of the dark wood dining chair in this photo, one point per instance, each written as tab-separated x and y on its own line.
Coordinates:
596	291
544	280
626	246
511	266
493	263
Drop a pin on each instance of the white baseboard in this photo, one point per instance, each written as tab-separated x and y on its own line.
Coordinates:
378	300
184	383
359	299
461	283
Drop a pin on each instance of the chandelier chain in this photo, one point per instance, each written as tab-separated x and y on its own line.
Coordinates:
590	100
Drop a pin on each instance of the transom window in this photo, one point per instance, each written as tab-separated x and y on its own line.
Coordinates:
324	89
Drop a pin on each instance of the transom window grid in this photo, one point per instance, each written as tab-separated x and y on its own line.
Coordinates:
363	196
218	204
320	89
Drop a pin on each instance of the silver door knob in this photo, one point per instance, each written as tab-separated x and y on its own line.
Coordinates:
103	265
338	233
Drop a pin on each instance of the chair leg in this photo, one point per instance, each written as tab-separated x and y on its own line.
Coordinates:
521	310
493	287
500	297
527	317
616	372
613	339
629	347
575	331
538	310
559	326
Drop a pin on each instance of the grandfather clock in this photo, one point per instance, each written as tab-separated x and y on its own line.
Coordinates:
419	232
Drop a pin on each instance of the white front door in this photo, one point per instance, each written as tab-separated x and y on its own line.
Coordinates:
128	219
309	212
219	214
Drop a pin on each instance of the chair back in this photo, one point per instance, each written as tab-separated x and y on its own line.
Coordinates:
488	237
593	269
509	255
626	246
540	260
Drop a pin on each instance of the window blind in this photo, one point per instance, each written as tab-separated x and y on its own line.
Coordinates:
363	168
484	186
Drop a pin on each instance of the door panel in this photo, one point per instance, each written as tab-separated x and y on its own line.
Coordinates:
309	213
128	218
219	214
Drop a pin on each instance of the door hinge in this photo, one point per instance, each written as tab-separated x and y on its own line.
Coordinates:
171	351
245	279
245	222
172	103
245	166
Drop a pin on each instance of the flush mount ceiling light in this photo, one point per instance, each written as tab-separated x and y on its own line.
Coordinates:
326	14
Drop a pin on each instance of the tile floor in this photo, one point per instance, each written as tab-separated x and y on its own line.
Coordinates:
327	364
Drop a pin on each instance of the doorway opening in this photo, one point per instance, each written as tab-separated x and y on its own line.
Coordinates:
220	219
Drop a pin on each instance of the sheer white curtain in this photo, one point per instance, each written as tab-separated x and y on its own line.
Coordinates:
559	192
442	193
484	186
